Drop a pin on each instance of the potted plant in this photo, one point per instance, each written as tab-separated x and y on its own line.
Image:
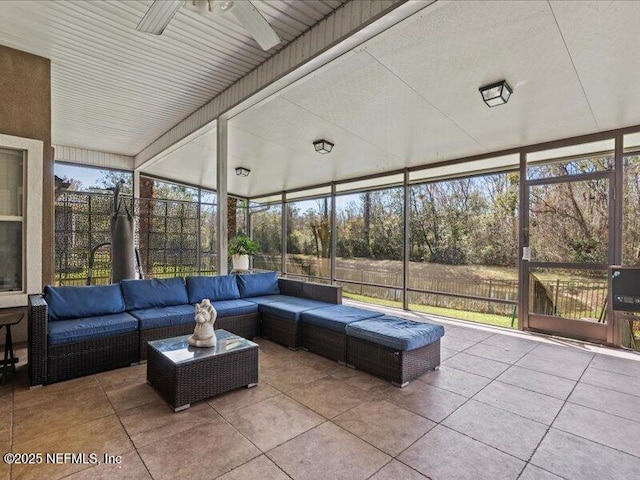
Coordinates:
240	249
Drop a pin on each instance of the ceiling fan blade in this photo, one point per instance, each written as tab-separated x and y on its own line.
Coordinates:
158	16
257	26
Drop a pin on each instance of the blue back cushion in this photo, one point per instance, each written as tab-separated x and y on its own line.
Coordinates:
159	292
223	287
79	302
257	284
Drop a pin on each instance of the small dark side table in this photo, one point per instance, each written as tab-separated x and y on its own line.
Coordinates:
10	360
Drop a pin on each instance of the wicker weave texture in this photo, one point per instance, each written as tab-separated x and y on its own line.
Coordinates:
77	359
325	342
310	290
185	383
282	331
37	351
399	367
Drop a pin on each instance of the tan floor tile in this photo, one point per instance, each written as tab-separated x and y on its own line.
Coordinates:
600	427
260	468
242	397
329	396
513	342
132	396
79	406
556	360
155	421
200	453
456	343
6	427
624	366
130	468
394	470
563	352
123	377
316	361
365	381
497	353
503	430
274	421
576	458
287	376
477	365
456	381
101	436
446	353
271	354
5	468
29	398
605	400
531	472
526	403
551	385
384	425
328	452
470	334
426	400
612	381
445	454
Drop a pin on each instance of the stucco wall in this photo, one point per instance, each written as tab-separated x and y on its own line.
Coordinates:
25	111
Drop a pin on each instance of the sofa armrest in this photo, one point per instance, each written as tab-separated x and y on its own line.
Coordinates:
310	290
38	318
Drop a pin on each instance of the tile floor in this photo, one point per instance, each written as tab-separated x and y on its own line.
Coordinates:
502	406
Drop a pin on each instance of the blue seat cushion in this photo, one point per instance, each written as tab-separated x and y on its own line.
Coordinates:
161	317
268	299
231	308
222	287
337	317
158	292
80	329
292	308
396	333
258	284
80	302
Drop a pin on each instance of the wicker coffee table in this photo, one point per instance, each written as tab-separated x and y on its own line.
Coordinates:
183	374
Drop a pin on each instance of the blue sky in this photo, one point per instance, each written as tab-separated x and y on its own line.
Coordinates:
87	176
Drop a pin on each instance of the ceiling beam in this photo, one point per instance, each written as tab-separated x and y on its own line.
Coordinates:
92	158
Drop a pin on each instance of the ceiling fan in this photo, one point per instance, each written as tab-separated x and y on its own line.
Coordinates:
162	11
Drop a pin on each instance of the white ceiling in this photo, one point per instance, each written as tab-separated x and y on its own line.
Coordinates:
410	95
115	89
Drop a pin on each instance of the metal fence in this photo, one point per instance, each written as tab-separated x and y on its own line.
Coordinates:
171	237
567	299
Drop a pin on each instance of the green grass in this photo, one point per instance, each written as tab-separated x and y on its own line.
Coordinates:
485	318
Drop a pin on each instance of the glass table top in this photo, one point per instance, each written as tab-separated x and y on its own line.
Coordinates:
178	350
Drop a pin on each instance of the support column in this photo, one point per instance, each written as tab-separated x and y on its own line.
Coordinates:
221	190
283	224
136	184
334	236
523	241
406	240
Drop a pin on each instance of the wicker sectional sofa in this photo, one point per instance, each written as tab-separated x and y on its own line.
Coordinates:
76	331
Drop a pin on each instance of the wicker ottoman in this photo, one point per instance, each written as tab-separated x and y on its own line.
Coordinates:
183	374
323	329
393	348
281	320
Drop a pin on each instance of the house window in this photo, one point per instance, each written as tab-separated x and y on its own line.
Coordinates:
21	176
11	220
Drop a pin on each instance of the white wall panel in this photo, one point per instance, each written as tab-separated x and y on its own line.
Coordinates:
93	158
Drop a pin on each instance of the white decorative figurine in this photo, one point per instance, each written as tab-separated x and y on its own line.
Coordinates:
203	334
